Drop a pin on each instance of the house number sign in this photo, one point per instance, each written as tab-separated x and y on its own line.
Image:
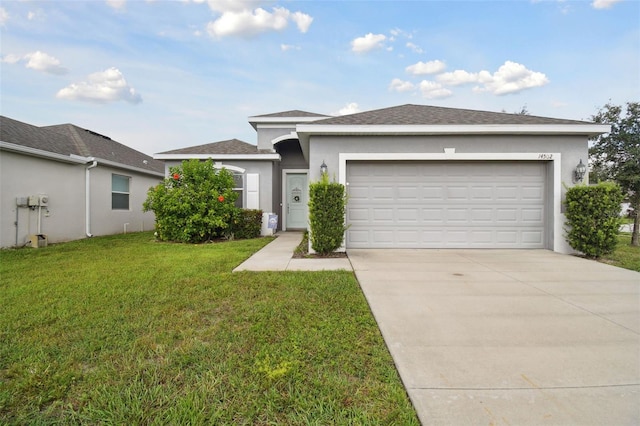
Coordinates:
545	156
296	195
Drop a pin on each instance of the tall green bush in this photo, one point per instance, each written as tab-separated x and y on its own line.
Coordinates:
194	204
327	203
593	218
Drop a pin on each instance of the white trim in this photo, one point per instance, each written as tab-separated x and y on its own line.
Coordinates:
283	193
284	120
117	165
554	157
305	130
217	156
219	165
292	135
7	146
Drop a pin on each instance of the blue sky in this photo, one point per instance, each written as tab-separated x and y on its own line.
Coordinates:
160	75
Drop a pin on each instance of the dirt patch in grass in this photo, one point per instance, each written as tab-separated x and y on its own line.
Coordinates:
302	251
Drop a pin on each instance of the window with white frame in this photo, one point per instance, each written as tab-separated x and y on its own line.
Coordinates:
120	192
238	187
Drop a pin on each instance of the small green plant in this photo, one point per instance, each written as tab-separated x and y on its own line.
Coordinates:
327	203
247	224
593	218
194	204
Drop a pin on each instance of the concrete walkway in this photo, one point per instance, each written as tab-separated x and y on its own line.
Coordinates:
277	256
508	337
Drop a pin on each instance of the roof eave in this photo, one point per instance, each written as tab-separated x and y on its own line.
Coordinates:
34	152
304	131
267	157
281	121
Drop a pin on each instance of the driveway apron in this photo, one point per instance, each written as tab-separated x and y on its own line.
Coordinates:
508	337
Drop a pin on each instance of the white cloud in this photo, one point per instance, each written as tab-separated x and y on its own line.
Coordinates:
38	61
414	47
101	87
302	20
247	23
286	47
604	4
4	16
368	42
42	62
350	108
400	85
431	67
433	90
117	4
511	77
229	5
457	77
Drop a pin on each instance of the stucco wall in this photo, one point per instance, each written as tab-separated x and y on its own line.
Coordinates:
105	220
64	183
22	176
266	135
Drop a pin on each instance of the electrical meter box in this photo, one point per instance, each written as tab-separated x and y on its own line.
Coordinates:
33	200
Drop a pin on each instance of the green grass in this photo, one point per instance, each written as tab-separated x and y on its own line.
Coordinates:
125	330
625	256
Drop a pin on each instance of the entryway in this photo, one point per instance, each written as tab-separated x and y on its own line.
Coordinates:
296	194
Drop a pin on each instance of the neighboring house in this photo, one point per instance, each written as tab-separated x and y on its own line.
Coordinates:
416	176
68	183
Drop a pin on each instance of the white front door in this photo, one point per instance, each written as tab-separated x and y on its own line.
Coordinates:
296	199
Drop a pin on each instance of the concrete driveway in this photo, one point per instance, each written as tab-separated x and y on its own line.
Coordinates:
508	337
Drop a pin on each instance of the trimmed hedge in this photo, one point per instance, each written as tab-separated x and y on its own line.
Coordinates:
593	218
247	224
327	203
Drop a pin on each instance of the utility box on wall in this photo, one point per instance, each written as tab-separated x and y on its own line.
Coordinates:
38	240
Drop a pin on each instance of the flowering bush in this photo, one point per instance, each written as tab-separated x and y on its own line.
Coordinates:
195	204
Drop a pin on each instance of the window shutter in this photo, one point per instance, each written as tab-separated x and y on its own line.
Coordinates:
253	193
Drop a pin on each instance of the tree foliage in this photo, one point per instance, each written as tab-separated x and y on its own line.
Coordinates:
593	218
327	203
194	204
616	155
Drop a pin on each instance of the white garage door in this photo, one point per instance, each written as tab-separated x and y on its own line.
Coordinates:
442	204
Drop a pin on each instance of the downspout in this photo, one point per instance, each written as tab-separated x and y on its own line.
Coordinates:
88	197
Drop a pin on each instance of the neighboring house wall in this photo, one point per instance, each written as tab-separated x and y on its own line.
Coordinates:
104	219
64	183
264	169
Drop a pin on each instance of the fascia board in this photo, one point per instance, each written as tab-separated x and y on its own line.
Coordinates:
7	146
305	130
269	157
128	167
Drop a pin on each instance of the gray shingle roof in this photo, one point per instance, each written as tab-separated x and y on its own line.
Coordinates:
430	115
67	139
293	113
231	146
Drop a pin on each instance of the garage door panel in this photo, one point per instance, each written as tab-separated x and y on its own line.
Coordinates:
446	204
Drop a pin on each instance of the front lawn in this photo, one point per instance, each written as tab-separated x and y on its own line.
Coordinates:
625	256
126	330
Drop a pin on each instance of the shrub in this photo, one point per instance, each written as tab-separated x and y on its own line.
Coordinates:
194	204
327	202
247	224
593	218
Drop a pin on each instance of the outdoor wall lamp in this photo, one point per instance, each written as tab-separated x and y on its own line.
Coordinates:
323	168
580	171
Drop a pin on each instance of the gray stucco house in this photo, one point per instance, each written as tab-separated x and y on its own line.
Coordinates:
68	183
416	176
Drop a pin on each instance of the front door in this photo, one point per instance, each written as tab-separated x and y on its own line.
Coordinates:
297	190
